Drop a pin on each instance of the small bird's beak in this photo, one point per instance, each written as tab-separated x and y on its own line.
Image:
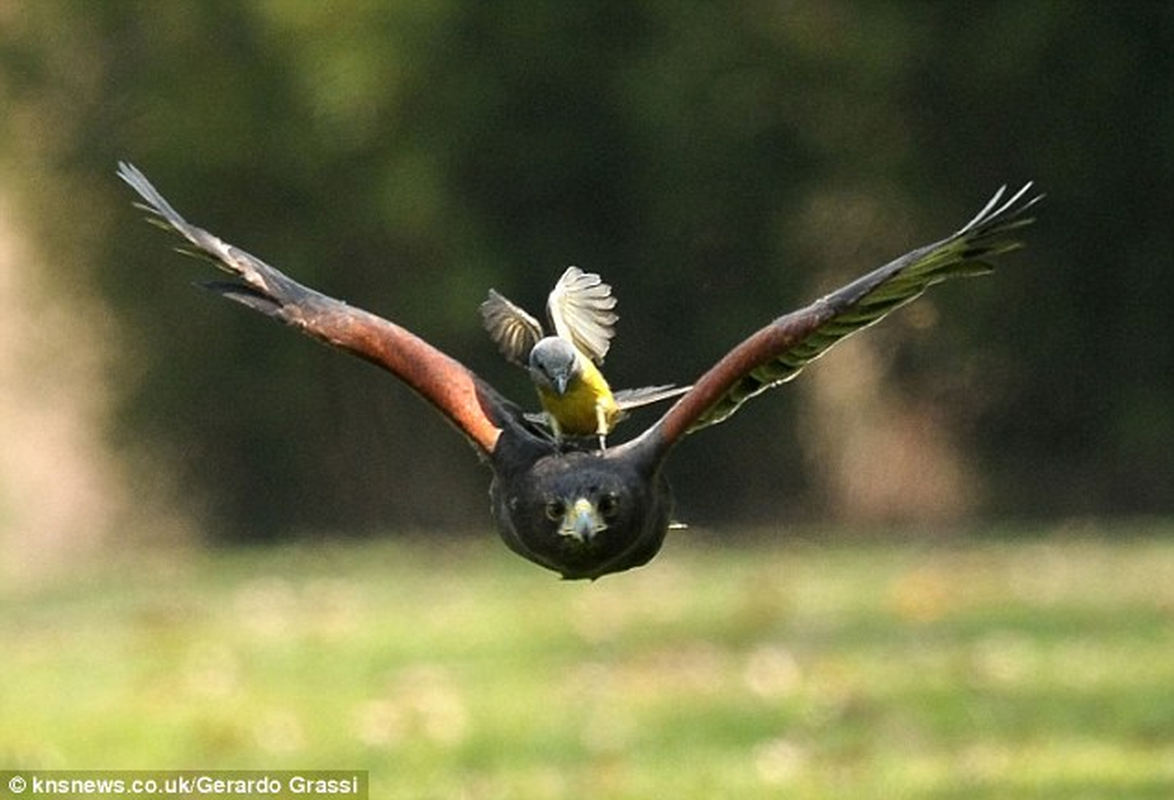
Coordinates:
560	383
582	521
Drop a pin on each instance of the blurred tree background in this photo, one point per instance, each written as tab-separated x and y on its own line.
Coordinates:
718	163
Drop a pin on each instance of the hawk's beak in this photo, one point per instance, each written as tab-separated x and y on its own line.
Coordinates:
582	521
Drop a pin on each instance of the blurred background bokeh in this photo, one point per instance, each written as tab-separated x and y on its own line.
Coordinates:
718	163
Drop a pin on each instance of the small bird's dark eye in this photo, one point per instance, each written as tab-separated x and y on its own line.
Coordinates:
555	509
609	504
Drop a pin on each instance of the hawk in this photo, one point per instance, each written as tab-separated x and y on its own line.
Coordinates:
580	510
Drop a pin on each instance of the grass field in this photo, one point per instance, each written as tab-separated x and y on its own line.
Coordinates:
980	668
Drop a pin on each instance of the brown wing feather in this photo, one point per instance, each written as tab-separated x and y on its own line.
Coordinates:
776	353
467	401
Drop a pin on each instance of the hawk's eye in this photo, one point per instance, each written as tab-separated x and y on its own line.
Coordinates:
609	504
555	510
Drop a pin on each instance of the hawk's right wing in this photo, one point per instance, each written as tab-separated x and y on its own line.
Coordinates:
473	406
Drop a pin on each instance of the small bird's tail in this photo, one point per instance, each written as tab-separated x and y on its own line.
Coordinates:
628	399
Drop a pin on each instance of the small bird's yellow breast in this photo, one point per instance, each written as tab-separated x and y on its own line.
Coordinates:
587	408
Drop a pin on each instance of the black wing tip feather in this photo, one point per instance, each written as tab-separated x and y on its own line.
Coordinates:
247	296
259	286
161	211
985	236
1005	216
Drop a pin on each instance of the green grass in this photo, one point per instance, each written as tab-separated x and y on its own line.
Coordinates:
975	669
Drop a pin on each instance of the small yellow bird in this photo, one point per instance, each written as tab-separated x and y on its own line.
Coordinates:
575	396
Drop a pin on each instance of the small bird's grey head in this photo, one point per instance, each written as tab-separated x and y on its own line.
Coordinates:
554	363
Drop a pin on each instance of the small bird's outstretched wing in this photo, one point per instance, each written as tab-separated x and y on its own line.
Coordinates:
473	406
580	309
776	353
508	324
